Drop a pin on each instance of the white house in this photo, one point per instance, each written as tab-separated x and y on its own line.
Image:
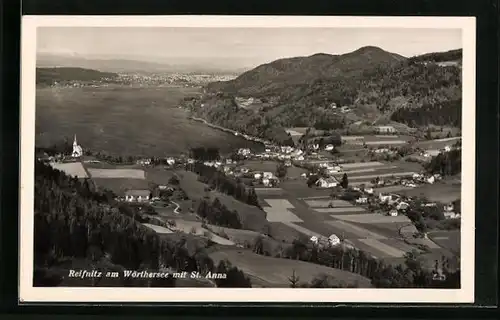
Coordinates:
266	182
190	161
257	175
385	129
303	175
393	213
334	240
327	183
170	161
362	200
314	239
369	190
229	161
299	158
137	195
431	179
244	170
449	207
402	206
288	163
267	175
384	198
333	105
447	148
329	147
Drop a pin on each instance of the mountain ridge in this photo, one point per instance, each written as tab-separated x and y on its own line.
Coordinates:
372	82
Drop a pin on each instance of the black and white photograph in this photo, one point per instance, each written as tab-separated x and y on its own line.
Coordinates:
293	156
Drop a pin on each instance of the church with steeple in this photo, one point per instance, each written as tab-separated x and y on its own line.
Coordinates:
77	150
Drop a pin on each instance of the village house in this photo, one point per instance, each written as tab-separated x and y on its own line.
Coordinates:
431	180
299	158
334	240
369	190
389	199
333	105
229	161
268	175
244	170
257	175
385	129
244	151
209	163
393	213
144	162
288	163
362	200
431	153
402	206
170	161
138	195
329	147
330	182
190	161
345	109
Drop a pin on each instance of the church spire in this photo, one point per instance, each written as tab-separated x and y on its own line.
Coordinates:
74	141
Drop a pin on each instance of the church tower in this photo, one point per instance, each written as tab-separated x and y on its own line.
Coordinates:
77	150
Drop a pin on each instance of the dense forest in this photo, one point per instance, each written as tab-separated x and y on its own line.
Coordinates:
218	214
49	76
446	113
299	92
452	55
74	222
231	186
447	163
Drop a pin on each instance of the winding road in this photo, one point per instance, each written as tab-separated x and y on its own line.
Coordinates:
176	210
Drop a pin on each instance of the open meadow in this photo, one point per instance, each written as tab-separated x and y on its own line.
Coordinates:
74	169
275	272
439	192
125	120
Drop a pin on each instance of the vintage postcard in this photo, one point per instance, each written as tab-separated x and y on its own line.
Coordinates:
247	159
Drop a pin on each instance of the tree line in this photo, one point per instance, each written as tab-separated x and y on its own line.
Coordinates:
411	274
225	184
218	214
446	163
73	221
446	113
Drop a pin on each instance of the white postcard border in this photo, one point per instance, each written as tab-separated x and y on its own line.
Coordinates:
28	293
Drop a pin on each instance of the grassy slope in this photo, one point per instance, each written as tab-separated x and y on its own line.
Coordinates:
274	272
252	218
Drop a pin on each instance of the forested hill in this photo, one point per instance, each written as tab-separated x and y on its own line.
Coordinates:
77	228
49	76
299	92
452	55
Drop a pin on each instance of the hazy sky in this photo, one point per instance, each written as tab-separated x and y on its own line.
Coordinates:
248	46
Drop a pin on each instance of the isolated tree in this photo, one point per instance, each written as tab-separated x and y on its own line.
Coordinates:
281	170
345	182
294	280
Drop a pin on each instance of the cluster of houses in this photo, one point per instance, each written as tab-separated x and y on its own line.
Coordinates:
398	204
